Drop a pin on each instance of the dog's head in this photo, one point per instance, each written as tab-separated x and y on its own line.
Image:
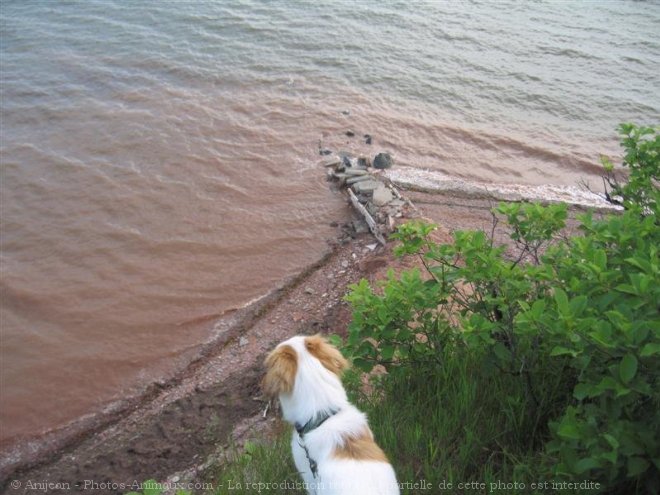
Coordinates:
298	353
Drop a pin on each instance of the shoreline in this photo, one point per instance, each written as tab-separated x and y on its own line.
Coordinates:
180	428
207	378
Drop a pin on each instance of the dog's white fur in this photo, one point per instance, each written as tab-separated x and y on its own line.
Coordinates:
349	462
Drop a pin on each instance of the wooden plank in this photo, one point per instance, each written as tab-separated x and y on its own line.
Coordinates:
373	226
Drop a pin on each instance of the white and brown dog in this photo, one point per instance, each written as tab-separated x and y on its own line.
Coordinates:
333	447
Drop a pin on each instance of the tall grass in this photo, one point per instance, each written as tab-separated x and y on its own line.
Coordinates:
440	427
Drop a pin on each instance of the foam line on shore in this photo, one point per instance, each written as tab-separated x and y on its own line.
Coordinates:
436	182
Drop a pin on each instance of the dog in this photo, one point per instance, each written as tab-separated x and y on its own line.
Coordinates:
333	447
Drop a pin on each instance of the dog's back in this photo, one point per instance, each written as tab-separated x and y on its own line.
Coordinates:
348	460
333	446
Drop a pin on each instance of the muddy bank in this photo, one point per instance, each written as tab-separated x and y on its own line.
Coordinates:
181	423
182	427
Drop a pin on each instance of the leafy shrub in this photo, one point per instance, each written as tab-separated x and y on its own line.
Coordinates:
576	319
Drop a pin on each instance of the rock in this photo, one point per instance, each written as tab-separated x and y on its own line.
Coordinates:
366	186
371	247
360	227
364	162
325	151
350	133
357	178
397	203
334	224
373	210
331	161
309	291
243	341
367	138
344	264
345	112
382	196
356	171
382	161
347	161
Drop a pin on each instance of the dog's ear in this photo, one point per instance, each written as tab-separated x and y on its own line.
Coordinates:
281	366
326	353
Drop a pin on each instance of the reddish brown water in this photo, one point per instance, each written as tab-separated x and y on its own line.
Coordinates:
156	175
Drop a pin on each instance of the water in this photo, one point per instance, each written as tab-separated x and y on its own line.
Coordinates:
159	158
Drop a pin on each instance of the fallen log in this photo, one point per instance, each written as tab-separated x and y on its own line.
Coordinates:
373	226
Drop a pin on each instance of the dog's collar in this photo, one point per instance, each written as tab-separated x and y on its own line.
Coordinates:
315	422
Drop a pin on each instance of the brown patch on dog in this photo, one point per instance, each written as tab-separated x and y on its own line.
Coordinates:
327	354
281	366
361	448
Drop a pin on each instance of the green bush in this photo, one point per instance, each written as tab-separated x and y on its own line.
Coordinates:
574	319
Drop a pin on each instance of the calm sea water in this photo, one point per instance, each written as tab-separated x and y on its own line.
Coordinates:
159	158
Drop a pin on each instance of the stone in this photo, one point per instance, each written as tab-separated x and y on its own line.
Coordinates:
364	162
397	203
344	264
371	247
366	186
372	209
357	178
356	171
243	341
309	291
331	161
347	161
382	196
350	133
325	152
345	112
360	227
367	139
382	161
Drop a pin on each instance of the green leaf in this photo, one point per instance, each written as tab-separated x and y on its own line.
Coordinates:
569	430
502	352
628	368
560	351
151	487
650	350
582	390
578	304
614	443
585	465
387	352
636	466
363	364
562	301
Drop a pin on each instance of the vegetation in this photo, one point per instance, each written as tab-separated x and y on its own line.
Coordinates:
524	368
574	320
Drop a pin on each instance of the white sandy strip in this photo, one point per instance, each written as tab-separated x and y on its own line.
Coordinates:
430	181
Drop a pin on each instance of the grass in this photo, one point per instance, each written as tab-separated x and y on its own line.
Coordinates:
260	468
449	428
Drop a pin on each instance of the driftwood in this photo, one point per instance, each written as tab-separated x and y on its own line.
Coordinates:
373	226
399	196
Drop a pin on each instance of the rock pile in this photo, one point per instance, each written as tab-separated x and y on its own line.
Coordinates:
371	194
